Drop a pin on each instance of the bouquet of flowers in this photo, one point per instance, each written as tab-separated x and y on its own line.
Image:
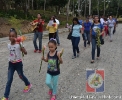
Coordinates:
19	40
98	37
43	49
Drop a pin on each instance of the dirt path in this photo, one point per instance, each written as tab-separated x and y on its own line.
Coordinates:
72	80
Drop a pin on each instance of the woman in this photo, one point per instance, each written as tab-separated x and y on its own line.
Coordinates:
111	25
95	26
87	27
76	29
52	27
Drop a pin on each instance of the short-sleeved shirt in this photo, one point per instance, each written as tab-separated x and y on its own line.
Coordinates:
111	23
76	30
40	26
87	26
53	66
14	53
95	26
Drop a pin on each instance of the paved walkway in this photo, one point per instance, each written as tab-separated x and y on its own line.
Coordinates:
72	80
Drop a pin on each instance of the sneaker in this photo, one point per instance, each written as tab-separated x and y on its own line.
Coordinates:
35	50
27	88
39	51
98	58
4	98
92	61
50	92
53	97
73	57
78	54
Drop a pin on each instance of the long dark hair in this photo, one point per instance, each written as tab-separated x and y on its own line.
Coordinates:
54	19
76	19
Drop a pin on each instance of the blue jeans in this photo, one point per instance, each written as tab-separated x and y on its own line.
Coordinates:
94	44
52	83
75	43
86	37
11	69
39	36
57	37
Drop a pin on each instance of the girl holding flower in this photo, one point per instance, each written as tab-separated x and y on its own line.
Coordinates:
53	58
96	36
15	64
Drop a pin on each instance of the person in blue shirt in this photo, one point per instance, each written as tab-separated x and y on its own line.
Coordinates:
96	25
80	21
76	31
87	27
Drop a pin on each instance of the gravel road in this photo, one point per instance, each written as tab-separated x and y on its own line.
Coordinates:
72	81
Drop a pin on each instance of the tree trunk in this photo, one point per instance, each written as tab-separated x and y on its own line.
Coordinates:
44	5
85	8
98	7
25	8
32	4
79	7
68	10
89	7
28	4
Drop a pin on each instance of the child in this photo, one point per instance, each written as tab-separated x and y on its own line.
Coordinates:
15	64
53	71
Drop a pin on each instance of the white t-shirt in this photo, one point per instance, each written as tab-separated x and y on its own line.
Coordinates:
57	21
111	23
101	20
14	53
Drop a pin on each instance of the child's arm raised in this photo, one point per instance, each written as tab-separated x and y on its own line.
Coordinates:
59	57
45	59
24	50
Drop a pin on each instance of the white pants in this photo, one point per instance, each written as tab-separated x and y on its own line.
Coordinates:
111	29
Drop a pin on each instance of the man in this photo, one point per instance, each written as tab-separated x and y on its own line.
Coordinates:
57	37
38	33
87	27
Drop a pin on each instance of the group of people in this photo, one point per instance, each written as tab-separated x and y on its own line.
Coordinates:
53	57
52	27
88	29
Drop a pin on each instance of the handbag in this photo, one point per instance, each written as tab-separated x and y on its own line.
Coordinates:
102	41
69	35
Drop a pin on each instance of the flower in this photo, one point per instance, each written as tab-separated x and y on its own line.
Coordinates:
20	39
43	49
